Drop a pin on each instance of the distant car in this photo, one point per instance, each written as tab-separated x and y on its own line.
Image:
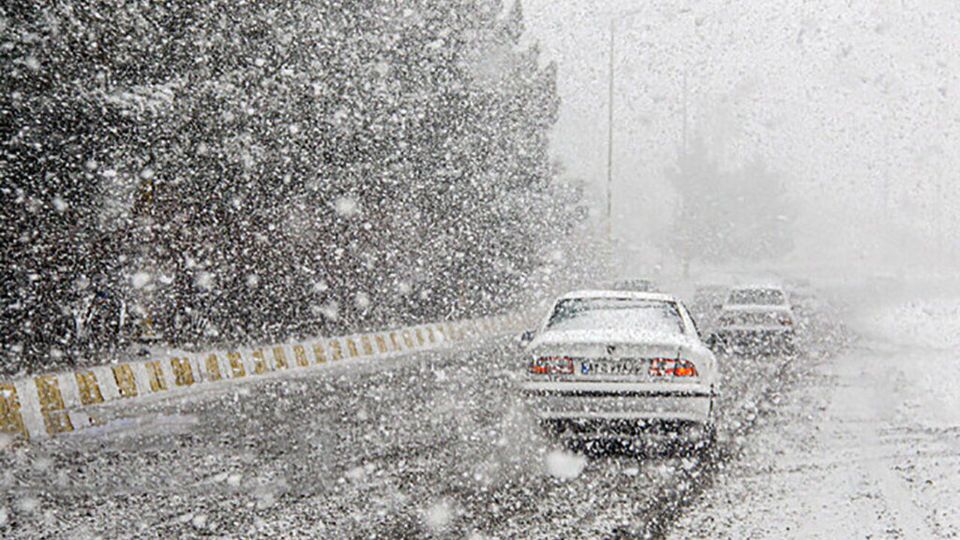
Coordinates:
636	285
621	365
756	319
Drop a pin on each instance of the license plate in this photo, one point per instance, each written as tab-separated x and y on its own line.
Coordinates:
621	367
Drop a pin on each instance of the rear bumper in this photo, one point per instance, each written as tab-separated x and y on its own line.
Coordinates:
633	403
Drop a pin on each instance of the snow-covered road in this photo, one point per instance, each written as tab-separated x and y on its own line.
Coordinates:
432	444
869	447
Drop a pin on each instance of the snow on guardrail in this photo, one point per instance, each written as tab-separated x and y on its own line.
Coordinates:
44	405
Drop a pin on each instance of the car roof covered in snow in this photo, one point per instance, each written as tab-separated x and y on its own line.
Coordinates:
757	286
633	295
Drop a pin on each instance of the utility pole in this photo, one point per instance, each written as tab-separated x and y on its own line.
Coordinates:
940	229
685	256
609	225
683	142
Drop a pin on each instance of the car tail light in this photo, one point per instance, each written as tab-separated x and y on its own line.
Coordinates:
684	368
677	367
552	365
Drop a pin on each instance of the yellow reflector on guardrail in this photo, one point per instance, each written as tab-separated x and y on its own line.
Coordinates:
88	388
212	364
279	358
352	348
300	354
126	383
319	355
155	376
182	372
236	365
335	352
55	418
259	362
11	421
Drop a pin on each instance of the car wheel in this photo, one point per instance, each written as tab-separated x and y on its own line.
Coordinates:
698	439
792	347
710	435
710	428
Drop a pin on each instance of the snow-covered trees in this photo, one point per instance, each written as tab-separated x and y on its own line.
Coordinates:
241	170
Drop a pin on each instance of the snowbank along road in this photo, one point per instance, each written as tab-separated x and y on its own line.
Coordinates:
435	443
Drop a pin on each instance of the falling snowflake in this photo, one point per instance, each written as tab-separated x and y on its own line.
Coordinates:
59	204
346	206
204	281
140	280
330	311
565	465
438	516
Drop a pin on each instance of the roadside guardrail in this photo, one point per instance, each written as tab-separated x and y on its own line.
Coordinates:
45	405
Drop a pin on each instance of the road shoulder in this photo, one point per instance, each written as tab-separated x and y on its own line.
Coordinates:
849	453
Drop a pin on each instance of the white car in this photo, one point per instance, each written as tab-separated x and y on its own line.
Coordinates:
635	284
756	318
620	364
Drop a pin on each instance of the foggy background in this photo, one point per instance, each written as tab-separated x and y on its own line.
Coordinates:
856	103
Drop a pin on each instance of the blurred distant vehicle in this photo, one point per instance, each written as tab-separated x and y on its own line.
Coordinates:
635	284
756	318
621	364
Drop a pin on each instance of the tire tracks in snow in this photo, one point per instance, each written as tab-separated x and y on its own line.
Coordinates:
668	497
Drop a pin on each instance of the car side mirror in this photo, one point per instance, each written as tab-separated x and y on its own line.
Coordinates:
525	338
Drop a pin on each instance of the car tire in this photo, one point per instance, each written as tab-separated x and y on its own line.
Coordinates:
788	345
697	441
704	444
710	440
710	428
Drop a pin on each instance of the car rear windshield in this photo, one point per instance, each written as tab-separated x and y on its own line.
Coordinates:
758	297
616	313
753	319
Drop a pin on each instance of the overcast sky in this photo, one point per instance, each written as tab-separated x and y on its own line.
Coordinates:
858	100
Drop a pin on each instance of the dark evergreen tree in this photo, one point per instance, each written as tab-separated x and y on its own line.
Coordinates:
241	171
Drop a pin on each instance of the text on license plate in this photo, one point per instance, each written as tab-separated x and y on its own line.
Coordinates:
624	367
638	366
